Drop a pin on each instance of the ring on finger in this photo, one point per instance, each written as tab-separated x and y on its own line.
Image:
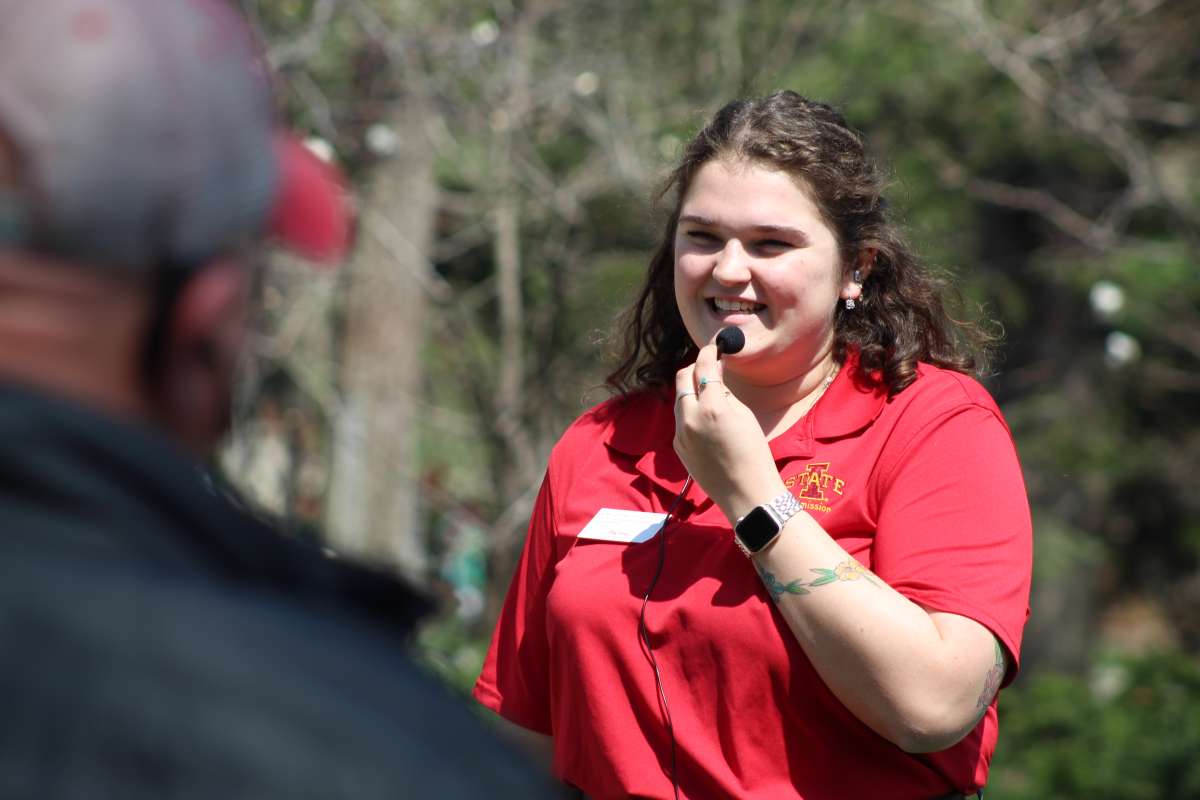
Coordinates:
682	395
706	381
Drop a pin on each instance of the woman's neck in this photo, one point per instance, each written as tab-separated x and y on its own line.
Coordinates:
778	406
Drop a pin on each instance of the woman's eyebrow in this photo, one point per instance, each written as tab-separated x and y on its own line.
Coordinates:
696	219
780	230
768	230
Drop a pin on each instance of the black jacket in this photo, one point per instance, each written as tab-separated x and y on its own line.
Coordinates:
158	642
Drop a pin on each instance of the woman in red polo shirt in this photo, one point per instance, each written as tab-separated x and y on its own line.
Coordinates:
798	570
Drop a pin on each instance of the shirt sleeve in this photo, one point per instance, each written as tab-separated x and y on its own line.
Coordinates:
954	531
515	679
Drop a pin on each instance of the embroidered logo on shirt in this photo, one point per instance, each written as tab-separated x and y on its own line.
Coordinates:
816	483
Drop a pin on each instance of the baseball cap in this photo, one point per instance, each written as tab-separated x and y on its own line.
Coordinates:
145	135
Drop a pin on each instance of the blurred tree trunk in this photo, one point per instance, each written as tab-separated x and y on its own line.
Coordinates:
372	509
516	466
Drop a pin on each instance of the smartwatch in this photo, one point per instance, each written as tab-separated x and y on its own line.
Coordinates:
764	523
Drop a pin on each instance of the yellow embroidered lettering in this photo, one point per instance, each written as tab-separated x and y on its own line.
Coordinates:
813	481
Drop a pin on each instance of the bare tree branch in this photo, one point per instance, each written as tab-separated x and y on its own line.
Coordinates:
316	103
1085	99
406	253
1095	235
307	44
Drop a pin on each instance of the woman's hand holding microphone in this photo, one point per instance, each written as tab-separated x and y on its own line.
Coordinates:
718	438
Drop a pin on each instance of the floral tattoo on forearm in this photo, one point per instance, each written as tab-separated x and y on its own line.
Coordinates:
849	570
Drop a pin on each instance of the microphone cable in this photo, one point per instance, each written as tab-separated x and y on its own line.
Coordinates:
729	340
644	634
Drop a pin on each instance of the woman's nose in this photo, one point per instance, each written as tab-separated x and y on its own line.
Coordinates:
732	265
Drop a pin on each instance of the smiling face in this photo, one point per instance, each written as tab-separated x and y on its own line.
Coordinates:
751	250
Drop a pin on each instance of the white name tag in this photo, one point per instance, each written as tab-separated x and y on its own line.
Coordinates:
628	527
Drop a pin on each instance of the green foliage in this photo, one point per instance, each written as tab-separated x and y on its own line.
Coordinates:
1131	732
453	651
1061	550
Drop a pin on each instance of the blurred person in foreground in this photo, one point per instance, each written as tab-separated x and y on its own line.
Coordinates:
841	584
158	641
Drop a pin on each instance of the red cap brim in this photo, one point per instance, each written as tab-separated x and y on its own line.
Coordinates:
312	208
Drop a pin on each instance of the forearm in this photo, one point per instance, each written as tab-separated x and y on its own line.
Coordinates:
887	659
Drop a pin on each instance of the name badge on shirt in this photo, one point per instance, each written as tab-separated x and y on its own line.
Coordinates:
627	527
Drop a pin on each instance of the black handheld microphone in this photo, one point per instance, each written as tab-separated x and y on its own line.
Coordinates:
730	340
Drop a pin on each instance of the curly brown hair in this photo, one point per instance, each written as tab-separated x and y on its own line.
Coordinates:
901	317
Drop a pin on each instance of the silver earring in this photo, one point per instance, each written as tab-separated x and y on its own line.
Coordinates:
857	279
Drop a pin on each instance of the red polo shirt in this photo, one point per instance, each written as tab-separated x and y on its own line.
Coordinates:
923	488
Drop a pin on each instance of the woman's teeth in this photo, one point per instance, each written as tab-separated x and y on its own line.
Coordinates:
735	305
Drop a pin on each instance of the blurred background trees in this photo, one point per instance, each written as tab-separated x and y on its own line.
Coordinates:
506	157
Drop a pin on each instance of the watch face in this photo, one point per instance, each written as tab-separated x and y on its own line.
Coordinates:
756	529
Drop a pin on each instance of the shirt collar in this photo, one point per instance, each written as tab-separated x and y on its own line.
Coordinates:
640	422
642	425
849	405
